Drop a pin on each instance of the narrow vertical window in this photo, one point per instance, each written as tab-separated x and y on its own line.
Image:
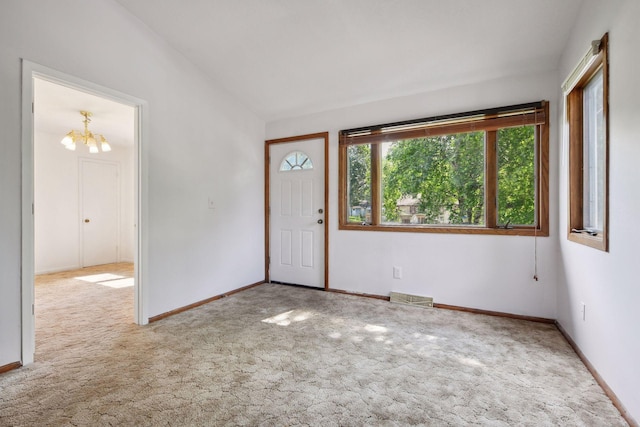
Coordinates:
359	183
593	122
516	176
587	108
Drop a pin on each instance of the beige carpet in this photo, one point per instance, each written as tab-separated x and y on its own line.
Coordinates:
279	355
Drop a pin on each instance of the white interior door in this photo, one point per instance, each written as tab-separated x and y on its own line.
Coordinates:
99	212
296	229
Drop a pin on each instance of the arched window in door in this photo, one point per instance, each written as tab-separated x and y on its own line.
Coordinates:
296	160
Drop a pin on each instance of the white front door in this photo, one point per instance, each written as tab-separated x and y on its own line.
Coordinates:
99	212
297	212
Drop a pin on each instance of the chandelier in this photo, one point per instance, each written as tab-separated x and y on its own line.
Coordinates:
87	138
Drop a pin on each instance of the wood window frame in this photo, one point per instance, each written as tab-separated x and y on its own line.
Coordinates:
591	64
490	121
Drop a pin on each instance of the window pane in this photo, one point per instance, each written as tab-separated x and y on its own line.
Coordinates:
296	160
593	146
436	180
516	176
359	183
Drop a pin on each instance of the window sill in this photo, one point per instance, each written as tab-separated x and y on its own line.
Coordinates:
597	242
515	231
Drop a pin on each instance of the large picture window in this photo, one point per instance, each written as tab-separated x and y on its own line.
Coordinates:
587	107
480	172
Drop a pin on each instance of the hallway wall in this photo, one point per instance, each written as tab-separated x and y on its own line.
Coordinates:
202	144
57	219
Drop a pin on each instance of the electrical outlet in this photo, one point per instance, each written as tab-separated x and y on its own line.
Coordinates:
397	272
583	311
211	203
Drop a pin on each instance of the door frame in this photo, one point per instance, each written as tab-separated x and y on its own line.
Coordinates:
81	162
30	70
267	197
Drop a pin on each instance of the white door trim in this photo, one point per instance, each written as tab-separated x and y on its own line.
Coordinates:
29	71
325	137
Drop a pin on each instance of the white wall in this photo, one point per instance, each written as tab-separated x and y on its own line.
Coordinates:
485	272
202	143
57	203
608	282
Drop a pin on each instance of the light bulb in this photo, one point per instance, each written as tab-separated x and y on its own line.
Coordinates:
93	146
68	139
104	145
71	147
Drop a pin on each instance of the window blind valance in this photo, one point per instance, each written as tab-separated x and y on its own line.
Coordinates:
480	120
593	54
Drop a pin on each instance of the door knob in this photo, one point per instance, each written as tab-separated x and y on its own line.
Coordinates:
87	220
320	221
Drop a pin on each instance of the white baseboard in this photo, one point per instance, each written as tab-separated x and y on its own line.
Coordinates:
56	269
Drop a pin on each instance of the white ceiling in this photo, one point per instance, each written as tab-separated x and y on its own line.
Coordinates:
57	111
285	58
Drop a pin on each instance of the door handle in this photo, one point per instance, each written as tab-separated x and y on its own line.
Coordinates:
87	220
320	221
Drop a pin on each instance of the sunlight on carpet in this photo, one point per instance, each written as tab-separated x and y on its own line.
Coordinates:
95	278
118	283
285	319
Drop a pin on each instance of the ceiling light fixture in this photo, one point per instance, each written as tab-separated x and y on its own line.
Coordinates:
87	138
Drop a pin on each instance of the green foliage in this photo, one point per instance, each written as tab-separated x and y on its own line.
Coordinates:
446	174
516	176
359	172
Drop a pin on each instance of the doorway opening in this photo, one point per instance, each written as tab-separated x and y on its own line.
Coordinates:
82	221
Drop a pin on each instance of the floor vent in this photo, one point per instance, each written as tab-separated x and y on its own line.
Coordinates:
415	300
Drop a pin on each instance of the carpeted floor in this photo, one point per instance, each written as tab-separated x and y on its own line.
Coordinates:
279	355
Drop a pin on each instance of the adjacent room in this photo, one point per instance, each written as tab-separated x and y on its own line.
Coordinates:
450	187
83	201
